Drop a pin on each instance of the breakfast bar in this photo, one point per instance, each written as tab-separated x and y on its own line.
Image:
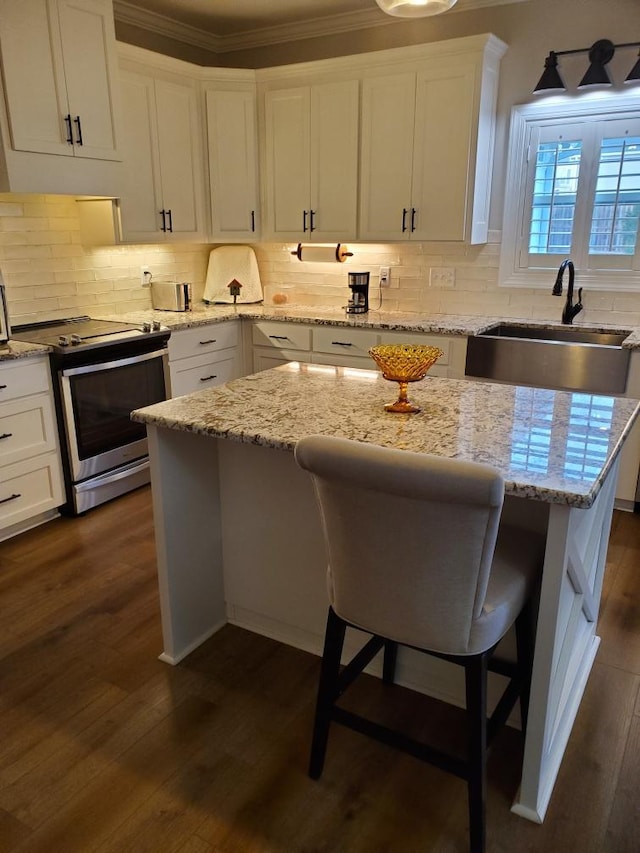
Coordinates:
239	540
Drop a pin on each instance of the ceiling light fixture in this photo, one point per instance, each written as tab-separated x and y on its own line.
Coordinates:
415	8
600	54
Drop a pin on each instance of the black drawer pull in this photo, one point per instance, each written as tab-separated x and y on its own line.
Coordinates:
6	435
253	220
67	121
204	343
79	130
279	337
2	387
207	378
10	498
340	344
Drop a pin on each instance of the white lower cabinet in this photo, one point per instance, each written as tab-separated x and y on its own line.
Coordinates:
275	343
454	350
204	356
30	469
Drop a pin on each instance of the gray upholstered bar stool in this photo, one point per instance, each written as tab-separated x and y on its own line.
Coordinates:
417	557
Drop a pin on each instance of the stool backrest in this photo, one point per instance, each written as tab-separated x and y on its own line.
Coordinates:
410	538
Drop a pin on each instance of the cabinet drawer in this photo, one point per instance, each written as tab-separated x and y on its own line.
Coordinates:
343	341
421	338
291	336
265	359
345	361
22	378
28	488
194	374
202	339
27	428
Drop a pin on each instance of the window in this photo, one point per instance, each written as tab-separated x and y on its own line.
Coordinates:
573	191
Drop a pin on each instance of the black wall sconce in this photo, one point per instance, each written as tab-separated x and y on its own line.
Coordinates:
600	53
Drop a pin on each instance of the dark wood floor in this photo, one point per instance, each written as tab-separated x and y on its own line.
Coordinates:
104	748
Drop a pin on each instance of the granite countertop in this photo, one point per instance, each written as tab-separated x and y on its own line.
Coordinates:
18	349
551	446
444	324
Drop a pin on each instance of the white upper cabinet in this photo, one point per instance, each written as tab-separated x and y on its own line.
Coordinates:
163	195
427	144
311	162
233	164
61	97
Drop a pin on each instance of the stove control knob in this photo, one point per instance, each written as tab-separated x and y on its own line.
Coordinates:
75	340
156	325
146	327
63	341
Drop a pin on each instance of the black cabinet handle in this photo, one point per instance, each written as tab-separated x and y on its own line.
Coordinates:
312	227
170	228
6	435
413	219
207	378
67	121
210	341
279	337
340	344
404	219
78	130
163	213
10	498
253	220
304	221
2	387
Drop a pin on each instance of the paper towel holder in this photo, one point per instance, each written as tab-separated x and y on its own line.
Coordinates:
322	253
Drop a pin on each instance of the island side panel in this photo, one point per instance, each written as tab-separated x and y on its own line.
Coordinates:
186	507
566	640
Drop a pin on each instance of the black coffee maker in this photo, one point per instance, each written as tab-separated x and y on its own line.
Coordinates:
359	300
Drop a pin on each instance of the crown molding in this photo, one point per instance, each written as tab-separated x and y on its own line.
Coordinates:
127	13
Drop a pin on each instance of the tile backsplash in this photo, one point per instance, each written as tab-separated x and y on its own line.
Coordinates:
50	274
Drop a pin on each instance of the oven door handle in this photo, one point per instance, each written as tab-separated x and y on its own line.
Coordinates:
111	365
105	479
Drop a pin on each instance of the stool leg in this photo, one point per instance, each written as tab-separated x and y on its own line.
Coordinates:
476	690
525	641
327	690
389	661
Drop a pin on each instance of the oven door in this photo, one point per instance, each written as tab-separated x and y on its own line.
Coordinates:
97	401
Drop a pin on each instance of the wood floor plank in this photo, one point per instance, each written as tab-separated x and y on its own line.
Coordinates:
106	749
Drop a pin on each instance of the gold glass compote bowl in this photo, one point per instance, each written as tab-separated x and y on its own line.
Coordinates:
404	363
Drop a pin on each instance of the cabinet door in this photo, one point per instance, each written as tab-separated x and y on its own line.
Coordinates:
442	153
388	109
334	161
32	69
141	200
180	169
287	163
88	48
233	172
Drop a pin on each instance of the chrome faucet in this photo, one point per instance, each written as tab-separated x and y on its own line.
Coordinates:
570	310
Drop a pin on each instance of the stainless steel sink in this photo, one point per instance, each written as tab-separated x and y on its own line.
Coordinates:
567	358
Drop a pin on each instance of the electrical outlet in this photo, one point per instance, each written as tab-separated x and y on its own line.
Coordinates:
145	276
385	276
442	277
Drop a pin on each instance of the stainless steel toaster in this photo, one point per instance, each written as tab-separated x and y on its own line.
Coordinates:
171	295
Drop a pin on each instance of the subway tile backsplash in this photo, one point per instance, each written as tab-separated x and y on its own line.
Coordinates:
49	274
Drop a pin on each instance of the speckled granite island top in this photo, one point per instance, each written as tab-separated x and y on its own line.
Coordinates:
552	446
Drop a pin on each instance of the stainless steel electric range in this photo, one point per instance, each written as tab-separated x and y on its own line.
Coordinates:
102	370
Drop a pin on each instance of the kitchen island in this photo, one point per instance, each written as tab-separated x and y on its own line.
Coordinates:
239	538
